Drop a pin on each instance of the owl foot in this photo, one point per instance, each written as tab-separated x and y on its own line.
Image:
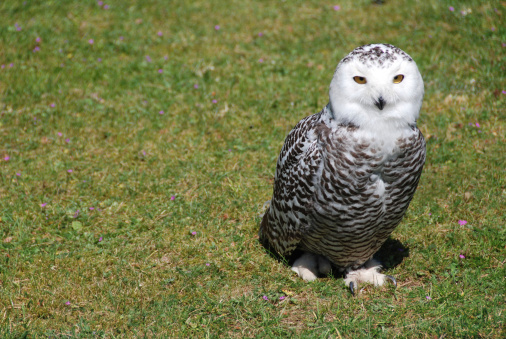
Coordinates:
308	266
368	273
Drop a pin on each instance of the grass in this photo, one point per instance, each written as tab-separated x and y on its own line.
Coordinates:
154	231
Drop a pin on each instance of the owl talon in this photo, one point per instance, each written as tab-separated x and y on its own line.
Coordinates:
353	287
392	279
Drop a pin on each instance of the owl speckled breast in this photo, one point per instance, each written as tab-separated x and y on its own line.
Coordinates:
361	181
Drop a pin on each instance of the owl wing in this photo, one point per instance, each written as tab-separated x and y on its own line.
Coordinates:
297	170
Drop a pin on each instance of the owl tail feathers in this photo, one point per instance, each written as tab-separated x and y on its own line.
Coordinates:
262	232
263	237
265	208
264	224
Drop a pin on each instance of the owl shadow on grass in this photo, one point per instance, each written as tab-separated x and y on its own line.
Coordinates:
390	255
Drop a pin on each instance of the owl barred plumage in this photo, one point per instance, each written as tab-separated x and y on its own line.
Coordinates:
345	176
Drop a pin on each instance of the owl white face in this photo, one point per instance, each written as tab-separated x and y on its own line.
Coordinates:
375	85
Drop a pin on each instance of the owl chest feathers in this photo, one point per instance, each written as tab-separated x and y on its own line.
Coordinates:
359	169
339	182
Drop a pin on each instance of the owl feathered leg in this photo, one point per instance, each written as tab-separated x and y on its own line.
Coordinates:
308	266
370	273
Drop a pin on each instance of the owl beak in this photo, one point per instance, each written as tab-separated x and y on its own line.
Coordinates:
380	103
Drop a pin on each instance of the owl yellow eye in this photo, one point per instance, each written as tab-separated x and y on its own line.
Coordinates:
360	80
398	78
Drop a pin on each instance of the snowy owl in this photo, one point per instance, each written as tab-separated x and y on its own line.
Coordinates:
345	176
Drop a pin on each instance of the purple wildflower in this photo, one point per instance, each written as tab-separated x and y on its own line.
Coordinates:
282	297
43	205
161	112
67	303
265	297
461	256
428	298
53	105
91	41
196	86
100	239
160	71
173	198
92	208
148	58
215	101
451	8
217	27
462	222
337	8
70	170
194	233
159	33
7	158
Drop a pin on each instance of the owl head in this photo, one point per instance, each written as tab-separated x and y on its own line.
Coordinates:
376	85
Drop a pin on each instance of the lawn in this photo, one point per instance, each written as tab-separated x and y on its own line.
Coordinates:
139	142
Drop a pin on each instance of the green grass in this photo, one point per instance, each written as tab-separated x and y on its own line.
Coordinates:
131	266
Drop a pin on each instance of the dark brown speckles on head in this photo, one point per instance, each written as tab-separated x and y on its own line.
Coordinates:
379	55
